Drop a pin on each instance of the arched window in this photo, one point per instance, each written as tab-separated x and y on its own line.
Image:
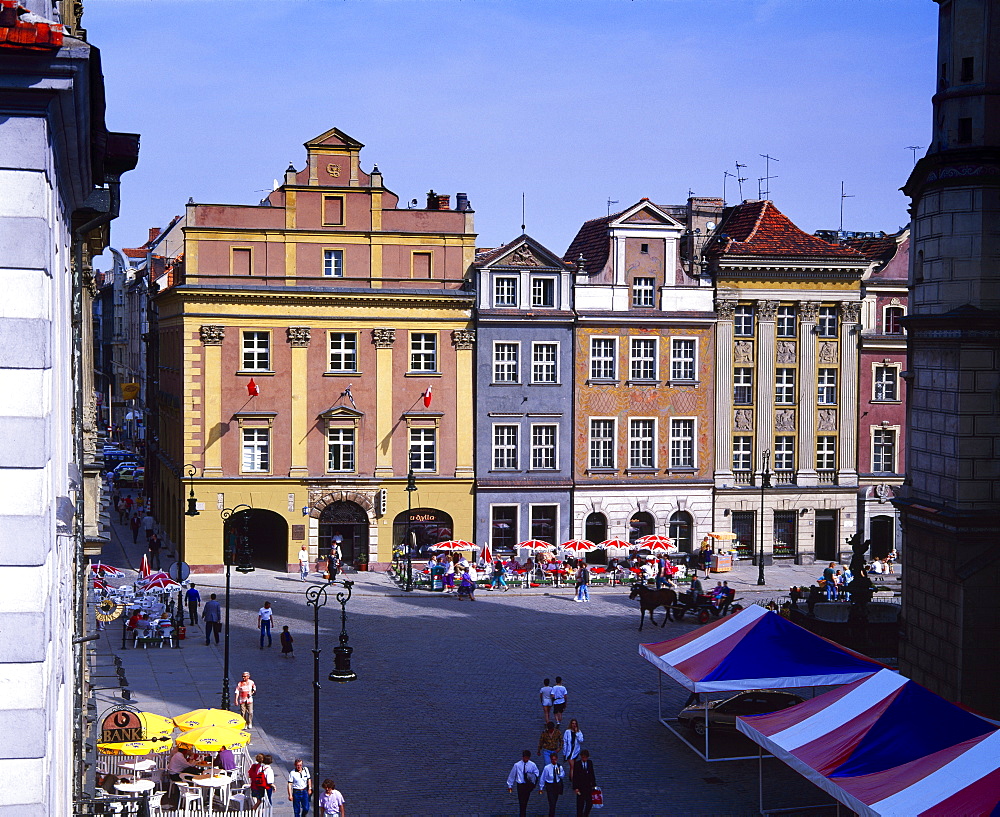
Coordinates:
641	524
893	320
681	531
596	528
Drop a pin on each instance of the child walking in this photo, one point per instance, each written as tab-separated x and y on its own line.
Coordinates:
286	642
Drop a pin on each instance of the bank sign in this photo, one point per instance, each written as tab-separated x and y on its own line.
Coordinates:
121	726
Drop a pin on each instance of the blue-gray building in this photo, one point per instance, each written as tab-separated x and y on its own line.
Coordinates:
524	395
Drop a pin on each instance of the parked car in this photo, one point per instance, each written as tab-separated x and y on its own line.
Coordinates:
123	466
124	475
722	714
115	457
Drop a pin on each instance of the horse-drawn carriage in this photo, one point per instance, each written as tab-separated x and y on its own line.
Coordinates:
704	605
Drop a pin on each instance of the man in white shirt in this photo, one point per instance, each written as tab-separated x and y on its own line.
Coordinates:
551	782
265	617
524	775
559	693
303	562
299	788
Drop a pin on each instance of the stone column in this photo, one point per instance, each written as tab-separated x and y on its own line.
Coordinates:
808	374
766	357
464	341
383	340
298	339
724	393
211	338
847	448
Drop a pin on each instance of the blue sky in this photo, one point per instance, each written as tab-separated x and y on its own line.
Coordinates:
571	103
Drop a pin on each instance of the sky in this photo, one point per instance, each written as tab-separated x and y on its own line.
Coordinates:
570	103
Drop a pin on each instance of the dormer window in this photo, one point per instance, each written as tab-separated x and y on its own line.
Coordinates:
504	292
644	292
543	293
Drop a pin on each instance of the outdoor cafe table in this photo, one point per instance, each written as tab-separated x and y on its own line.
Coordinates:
136	787
212	782
138	765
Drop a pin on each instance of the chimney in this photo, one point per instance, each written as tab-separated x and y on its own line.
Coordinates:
444	202
462	202
290	173
154	233
432	200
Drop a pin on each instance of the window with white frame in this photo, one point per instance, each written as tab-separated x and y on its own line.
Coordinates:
602	443
643	292
423	449
333	263
505	362
544	362
884	451
343	352
642	360
340	449
543	447
826	453
892	322
784	453
681	443
826	394
786	322
743	386
742	453
504	291
642	443
682	359
423	352
543	293
886	384
256	450
743	321
826	326
603	352
784	386
256	351
504	447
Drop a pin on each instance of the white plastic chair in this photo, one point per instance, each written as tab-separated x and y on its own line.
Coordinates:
155	808
188	797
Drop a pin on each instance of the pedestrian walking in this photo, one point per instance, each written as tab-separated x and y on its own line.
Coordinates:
299	788
499	576
545	695
559	695
467	587
331	800
286	642
261	779
582	583
154	551
265	615
147	524
212	618
706	559
572	744
829	581
122	511
193	598
303	563
449	576
135	524
523	775
548	742
551	782
243	697
336	555
128	503
584	781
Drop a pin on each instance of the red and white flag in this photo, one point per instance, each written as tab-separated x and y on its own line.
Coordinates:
252	389
427	397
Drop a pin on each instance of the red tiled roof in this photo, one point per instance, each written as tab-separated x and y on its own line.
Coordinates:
134	252
593	243
758	228
876	249
22	30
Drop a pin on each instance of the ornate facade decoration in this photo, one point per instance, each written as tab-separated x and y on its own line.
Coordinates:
212	334
809	311
767	310
884	492
463	338
298	335
726	310
827	420
850	311
743	421
383	338
523	257
743	351
827	352
321	497
786	351
784	420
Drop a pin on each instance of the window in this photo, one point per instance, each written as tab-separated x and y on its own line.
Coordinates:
826	326
340	449
543	447
333	263
256	351
681	443
892	323
826	451
745	528
256	450
543	292
681	531
643	359
602	443
644	249
504	447
827	391
503	527
333	211
642	444
786	321
543	523
602	358
743	386
242	262
968	69
742	454
644	292
784	453
423	449
743	321
423	267
505	362
504	292
784	386
682	353
641	524
884	451
423	352
343	352
965	130
886	384
595	528
545	363
784	533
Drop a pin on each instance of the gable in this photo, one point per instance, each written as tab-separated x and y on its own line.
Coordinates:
644	217
646	213
334	138
526	253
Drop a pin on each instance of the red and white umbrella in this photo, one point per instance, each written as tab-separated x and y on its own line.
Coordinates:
159	574
578	546
144	570
162	583
621	544
658	545
106	571
100	584
487	554
535	544
452	545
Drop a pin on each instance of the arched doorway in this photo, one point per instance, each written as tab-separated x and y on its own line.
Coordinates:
266	546
881	536
681	531
641	524
428	526
596	528
347	524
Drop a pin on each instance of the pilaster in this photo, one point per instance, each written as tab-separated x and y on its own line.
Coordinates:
808	378
847	454
464	341
724	393
212	337
766	357
383	339
299	338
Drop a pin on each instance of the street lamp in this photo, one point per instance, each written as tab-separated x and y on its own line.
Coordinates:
316	597
765	482
411	486
192	509
235	548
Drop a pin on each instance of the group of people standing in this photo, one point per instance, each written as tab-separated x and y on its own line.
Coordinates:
300	788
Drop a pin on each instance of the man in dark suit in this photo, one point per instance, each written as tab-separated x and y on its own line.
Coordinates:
584	782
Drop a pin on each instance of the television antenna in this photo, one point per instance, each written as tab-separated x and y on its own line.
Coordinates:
914	149
843	196
725	175
767	174
740	179
610	202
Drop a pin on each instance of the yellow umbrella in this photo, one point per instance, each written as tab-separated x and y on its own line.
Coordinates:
156	726
213	738
136	748
209	717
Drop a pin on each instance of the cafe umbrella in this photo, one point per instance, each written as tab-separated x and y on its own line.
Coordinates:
213	738
199	718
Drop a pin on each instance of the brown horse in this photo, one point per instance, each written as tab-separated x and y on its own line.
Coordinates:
650	600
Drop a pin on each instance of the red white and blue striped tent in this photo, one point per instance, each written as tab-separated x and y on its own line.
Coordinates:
756	649
887	747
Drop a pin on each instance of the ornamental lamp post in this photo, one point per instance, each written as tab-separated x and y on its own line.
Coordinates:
192	502
235	548
765	482
411	486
